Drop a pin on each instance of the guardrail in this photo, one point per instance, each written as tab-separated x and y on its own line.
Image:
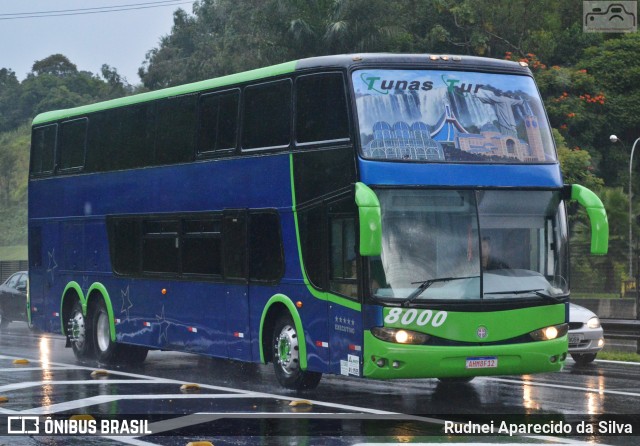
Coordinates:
8	267
625	329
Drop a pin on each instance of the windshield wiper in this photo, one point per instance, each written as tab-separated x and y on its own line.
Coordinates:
538	292
426	284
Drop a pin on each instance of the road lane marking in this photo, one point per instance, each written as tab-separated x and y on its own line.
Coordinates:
563	386
238	394
102	399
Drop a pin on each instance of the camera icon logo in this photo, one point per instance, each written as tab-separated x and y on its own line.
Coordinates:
610	16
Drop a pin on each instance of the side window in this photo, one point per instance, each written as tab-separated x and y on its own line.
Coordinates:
13	281
175	129
135	148
321	108
235	245
343	270
202	246
218	122
120	139
206	245
160	246
73	137
266	115
43	145
124	241
266	259
22	283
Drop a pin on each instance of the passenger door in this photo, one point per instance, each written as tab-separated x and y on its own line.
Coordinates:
345	317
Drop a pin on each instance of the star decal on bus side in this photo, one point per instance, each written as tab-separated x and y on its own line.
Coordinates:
52	263
126	302
164	326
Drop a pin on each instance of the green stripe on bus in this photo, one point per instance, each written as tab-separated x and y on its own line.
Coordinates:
83	301
302	345
246	76
107	302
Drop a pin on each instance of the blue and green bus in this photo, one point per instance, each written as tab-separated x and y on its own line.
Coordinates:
374	215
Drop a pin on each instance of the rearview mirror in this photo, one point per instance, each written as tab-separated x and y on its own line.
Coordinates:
370	220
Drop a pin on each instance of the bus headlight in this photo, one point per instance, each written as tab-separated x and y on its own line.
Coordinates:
399	336
549	333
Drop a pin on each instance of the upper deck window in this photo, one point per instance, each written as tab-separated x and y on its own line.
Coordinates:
451	116
43	146
267	115
74	134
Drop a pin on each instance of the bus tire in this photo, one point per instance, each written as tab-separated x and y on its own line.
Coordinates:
80	333
286	357
106	349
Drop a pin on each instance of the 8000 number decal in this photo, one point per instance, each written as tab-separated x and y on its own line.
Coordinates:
420	318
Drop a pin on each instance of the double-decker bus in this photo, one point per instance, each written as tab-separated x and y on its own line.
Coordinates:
374	215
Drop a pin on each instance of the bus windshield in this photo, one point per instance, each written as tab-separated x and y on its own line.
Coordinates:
464	244
451	116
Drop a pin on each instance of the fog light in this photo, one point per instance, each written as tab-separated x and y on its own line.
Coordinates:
395	364
381	362
563	357
553	359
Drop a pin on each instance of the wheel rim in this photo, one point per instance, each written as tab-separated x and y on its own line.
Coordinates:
103	334
286	350
77	329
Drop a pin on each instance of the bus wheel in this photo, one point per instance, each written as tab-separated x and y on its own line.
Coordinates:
106	349
286	357
79	333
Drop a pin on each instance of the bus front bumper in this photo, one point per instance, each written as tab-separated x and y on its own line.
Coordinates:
386	360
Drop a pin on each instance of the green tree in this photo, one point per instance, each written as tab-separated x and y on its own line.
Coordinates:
55	65
9	92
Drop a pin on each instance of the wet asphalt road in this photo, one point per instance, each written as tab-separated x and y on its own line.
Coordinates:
241	403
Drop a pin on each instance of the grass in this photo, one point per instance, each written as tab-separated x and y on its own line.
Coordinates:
18	252
619	356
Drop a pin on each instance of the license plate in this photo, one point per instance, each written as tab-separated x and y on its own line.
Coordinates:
575	338
484	362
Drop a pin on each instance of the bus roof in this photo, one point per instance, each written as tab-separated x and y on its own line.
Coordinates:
338	61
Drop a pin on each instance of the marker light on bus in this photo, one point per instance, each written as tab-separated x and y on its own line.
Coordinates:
399	336
549	333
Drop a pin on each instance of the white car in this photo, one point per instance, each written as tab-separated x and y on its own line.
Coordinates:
586	337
